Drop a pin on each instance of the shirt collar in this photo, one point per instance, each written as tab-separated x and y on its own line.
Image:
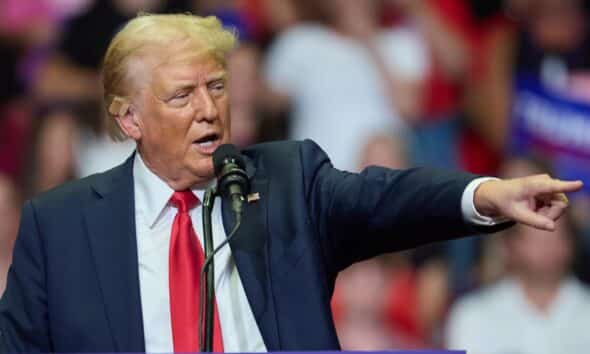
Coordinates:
152	194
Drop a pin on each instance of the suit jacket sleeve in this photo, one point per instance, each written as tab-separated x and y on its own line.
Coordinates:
379	210
23	308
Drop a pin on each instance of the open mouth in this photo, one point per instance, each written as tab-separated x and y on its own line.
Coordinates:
208	142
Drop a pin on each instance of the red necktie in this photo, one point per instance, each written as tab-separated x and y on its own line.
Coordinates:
186	259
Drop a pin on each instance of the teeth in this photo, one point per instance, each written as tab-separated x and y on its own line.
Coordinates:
206	144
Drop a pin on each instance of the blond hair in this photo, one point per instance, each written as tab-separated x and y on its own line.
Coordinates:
155	32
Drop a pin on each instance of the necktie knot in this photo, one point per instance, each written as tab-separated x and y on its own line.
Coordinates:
184	200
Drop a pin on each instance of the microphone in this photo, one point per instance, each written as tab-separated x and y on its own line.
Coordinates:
232	183
232	180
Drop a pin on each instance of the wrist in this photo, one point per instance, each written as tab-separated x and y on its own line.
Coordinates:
483	198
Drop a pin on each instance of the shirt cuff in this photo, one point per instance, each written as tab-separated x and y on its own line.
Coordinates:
470	214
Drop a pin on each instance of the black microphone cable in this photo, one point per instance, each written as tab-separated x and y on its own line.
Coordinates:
204	294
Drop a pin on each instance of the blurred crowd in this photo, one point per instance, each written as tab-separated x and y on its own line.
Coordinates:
495	87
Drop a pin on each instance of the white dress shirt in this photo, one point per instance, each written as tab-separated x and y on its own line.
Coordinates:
153	219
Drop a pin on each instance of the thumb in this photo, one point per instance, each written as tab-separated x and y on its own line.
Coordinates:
528	217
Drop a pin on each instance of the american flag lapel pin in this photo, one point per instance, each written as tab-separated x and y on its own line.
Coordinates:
252	197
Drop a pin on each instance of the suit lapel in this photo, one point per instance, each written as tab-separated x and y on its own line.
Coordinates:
250	252
111	230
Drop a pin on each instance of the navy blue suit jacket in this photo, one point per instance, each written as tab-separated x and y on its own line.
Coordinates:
74	285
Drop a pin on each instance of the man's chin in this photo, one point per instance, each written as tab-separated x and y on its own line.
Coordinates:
202	171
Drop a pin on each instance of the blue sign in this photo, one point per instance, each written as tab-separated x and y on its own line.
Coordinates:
551	124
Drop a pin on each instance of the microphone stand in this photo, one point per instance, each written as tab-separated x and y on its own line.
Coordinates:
207	276
207	273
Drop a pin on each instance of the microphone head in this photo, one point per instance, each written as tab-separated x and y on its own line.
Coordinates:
224	154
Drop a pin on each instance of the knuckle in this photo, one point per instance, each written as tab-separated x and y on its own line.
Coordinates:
541	177
537	184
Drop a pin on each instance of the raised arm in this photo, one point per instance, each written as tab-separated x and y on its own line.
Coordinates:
381	210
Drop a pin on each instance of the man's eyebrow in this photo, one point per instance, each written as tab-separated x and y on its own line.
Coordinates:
183	87
217	76
220	75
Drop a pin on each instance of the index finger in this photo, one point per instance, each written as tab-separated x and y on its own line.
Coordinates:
559	186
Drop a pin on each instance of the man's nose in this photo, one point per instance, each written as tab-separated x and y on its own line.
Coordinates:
206	109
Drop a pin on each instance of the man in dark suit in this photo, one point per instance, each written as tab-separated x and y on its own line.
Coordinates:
110	262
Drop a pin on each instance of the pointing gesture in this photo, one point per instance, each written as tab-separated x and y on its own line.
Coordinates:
536	201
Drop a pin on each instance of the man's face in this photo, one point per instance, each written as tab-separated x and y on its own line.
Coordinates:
541	255
183	113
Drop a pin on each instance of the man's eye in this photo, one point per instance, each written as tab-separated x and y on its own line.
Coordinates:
180	95
179	99
217	87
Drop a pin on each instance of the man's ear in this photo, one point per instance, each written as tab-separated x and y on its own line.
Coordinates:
125	115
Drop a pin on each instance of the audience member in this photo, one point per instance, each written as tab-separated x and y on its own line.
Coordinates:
24	26
446	28
244	84
346	73
538	307
384	150
361	317
418	299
